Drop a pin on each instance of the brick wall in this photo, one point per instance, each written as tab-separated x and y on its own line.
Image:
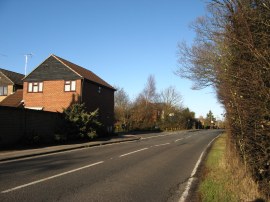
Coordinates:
94	96
10	89
53	98
17	123
2	97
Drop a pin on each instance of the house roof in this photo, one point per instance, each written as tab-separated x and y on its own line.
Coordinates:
13	100
87	74
15	78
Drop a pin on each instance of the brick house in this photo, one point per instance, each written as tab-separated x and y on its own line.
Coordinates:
57	83
9	83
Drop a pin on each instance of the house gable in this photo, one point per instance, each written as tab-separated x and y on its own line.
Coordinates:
4	80
85	73
51	69
13	78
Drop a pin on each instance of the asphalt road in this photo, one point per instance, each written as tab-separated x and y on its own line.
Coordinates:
155	168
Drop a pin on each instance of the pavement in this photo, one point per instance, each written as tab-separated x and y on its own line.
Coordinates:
23	153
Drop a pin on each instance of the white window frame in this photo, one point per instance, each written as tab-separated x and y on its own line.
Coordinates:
35	87
4	90
70	86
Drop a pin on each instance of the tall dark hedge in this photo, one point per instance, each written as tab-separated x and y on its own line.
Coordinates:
232	53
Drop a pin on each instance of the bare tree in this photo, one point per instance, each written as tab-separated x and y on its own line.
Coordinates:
121	98
171	97
149	92
122	106
143	110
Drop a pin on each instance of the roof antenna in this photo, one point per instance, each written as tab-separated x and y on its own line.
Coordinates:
26	61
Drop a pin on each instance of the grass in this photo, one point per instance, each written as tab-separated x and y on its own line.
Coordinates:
225	178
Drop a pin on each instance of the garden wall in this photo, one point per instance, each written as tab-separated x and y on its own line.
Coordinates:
21	125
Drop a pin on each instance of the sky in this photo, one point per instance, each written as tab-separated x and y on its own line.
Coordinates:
122	41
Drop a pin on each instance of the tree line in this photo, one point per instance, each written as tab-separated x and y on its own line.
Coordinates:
151	110
231	52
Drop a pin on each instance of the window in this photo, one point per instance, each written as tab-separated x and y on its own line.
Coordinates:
35	87
70	86
99	89
3	90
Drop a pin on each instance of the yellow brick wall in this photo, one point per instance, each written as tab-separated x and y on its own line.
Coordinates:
10	91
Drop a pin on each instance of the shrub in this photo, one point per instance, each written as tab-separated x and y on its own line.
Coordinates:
78	124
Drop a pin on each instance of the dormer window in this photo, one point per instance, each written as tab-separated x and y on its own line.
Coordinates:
70	86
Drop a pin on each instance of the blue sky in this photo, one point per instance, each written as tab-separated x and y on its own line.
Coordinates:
122	41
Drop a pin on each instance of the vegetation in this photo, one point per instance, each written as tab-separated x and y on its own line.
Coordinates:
78	124
122	106
152	110
232	54
210	120
222	178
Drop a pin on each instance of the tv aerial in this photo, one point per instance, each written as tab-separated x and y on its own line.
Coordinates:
26	61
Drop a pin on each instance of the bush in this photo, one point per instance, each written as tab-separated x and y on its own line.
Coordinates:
78	124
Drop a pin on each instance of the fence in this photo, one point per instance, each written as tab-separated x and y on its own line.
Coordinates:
18	124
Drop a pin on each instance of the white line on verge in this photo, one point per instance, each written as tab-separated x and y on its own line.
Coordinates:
189	183
133	152
49	178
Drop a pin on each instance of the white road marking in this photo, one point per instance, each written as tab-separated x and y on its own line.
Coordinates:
144	138
60	152
133	152
189	183
162	144
49	178
178	139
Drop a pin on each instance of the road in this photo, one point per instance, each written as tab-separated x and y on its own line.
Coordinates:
155	168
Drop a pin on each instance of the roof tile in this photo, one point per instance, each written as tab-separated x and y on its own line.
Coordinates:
87	74
13	100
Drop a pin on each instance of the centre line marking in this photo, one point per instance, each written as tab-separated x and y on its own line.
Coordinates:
161	144
144	138
178	139
49	178
133	152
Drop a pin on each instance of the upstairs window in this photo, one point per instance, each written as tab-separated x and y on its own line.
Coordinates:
70	86
35	87
99	89
3	90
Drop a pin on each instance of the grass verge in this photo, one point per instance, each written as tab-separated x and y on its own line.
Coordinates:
225	178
